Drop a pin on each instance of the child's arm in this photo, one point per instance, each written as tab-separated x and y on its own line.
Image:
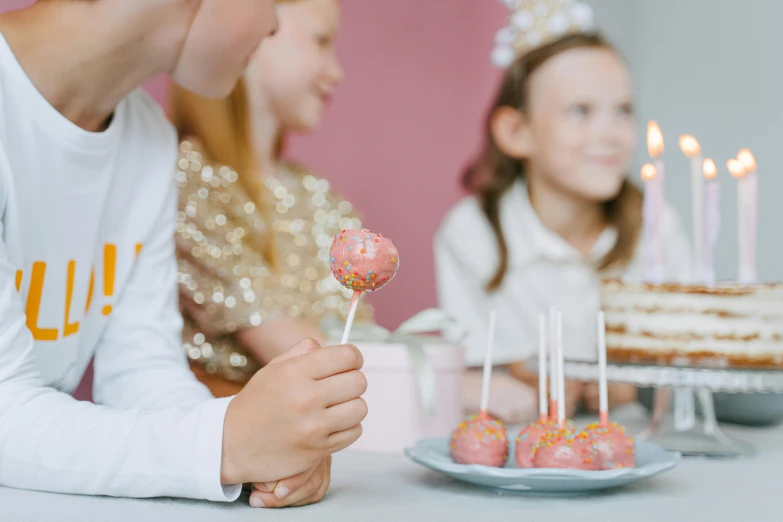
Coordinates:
140	362
51	442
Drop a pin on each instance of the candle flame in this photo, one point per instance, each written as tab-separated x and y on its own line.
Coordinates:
736	168
745	157
710	169
654	139
690	146
649	172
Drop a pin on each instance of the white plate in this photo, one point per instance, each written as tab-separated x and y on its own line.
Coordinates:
651	460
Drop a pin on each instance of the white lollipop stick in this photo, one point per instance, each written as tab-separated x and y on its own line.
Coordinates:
603	392
487	368
543	407
553	367
351	314
561	407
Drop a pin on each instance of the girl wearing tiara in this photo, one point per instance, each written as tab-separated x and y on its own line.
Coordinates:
254	230
552	211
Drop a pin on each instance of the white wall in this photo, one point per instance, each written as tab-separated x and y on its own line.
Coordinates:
711	68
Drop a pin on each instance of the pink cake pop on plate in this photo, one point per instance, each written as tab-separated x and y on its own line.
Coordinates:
363	262
563	449
481	439
559	447
532	434
615	448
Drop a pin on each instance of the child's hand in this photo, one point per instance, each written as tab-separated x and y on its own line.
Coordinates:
303	489
295	412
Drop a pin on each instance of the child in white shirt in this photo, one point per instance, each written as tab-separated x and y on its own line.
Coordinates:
552	213
87	269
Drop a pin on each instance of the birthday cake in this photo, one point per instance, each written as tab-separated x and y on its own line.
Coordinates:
723	326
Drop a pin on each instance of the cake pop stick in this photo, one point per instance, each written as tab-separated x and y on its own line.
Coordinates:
542	374
561	407
603	392
614	447
480	439
553	367
357	294
363	262
487	378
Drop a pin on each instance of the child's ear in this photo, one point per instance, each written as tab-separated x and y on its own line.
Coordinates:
511	132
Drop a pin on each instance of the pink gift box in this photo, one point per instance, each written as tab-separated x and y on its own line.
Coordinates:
397	417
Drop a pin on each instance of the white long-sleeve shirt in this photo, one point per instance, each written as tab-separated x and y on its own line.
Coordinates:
87	268
543	271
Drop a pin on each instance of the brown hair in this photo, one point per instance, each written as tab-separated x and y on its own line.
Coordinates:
493	172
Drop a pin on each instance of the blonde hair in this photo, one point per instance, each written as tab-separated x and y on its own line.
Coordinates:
222	128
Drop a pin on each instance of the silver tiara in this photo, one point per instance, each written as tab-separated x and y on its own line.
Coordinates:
534	23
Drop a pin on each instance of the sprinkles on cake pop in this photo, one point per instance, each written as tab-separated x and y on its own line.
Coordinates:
371	265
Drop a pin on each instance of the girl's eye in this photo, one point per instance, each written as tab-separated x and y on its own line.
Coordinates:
580	111
626	110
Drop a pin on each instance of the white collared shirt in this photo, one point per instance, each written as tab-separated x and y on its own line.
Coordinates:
543	271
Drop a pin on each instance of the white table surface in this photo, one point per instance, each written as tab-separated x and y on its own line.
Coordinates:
374	488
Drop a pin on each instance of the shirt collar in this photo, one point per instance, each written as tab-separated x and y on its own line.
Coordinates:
529	240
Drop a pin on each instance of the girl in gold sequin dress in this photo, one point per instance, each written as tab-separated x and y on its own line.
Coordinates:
253	230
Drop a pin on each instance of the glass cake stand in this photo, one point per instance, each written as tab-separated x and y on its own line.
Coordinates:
675	424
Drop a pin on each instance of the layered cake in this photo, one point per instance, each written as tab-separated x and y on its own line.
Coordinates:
691	325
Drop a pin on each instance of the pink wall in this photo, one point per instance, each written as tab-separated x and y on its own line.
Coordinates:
403	124
408	116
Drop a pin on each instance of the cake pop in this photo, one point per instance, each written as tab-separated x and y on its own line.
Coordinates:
615	448
529	437
363	262
481	439
563	449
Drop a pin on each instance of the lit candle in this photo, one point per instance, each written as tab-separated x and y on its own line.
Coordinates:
711	219
738	172
655	148
751	207
651	219
692	149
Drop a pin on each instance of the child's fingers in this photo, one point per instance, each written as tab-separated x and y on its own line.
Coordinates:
298	490
318	496
265	487
280	489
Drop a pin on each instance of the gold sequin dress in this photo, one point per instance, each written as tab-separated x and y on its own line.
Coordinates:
226	283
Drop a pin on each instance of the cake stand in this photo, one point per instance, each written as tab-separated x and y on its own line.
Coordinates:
675	424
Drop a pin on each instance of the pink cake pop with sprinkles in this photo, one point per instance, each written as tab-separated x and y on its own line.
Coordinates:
481	439
532	434
363	262
547	428
563	449
615	448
